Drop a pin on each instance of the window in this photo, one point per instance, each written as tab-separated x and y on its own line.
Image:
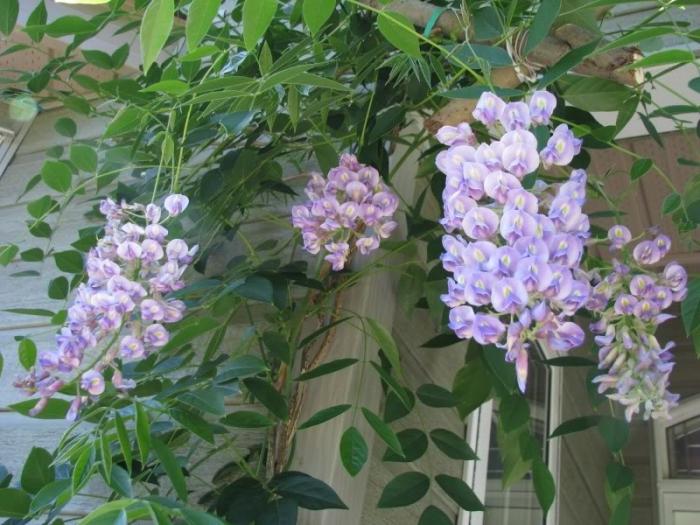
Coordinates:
15	119
683	441
517	504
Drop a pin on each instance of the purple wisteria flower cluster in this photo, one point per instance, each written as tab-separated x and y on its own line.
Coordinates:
351	208
121	310
513	253
629	302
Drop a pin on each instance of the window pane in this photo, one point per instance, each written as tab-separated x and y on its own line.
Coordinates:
518	505
684	448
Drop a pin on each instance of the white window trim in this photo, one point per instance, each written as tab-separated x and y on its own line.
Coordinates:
478	437
668	490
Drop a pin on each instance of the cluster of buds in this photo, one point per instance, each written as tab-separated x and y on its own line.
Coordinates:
121	309
515	253
352	208
629	303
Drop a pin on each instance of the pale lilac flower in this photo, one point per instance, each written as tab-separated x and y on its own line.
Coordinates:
515	115
647	253
619	236
561	147
152	310
175	204
131	347
487	329
367	244
129	250
520	160
663	244
542	104
456	135
498	185
489	108
92	382
676	276
156	335
337	254
565	337
508	296
462	321
480	223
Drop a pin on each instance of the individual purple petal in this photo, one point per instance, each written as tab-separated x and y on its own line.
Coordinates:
477	287
521	369
503	261
535	274
487	329
508	295
488	108
461	321
152	310
624	304
156	335
456	135
367	244
480	223
542	105
520	199
175	204
337	254
92	382
520	160
498	184
356	191
675	276
477	255
641	285
619	236
131	347
490	155
152	213
565	337
663	244
516	224
515	115
129	250
451	161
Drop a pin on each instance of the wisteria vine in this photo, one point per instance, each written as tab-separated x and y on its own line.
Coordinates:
515	255
120	311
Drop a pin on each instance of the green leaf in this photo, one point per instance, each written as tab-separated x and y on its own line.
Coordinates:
326	155
58	288
405	489
143	433
615	432
8	253
264	392
640	167
383	431
637	36
547	12
54	409
242	366
194	328
98	58
170	87
386	342
66	127
619	477
124	442
310	79
324	415
69	261
171	467
27	353
399	31
544	485
49	493
413	442
452	445
155	29
671	203
309	492
577	424
126	120
8	16
660	58
197	517
472	387
621	512
566	63
690	307
436	396
316	12
353	451
36	18
14	503
434	516
279	512
247	419
194	423
84	157
442	340
120	481
210	400
257	288
70	25
199	19
257	17
38	470
327	368
278	346
514	412
459	492
56	175
597	94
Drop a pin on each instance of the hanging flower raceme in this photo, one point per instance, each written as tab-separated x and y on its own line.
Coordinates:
121	310
351	208
513	252
629	303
